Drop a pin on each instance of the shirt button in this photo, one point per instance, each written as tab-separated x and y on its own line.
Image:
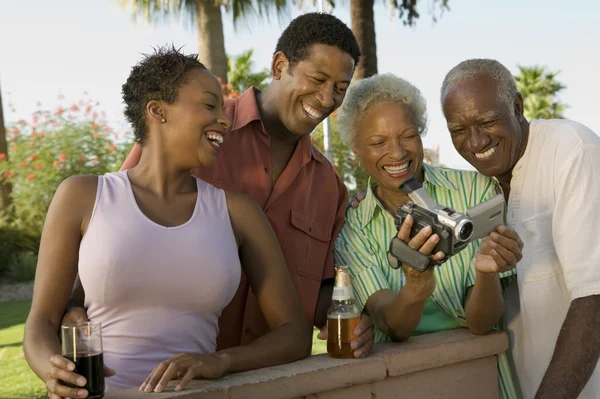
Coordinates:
266	170
309	229
247	331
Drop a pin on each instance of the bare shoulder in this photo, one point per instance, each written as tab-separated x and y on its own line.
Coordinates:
240	203
77	194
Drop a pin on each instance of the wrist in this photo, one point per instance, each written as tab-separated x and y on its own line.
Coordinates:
226	360
416	292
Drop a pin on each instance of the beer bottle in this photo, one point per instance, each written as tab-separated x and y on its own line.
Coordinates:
342	317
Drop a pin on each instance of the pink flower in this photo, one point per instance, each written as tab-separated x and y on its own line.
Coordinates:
39	166
112	147
56	164
24	164
2	156
62	157
31	176
74	108
8	174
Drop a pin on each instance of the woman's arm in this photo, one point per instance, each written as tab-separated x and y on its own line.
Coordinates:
399	315
498	253
289	337
56	271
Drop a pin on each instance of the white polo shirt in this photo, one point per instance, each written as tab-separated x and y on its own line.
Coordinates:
554	205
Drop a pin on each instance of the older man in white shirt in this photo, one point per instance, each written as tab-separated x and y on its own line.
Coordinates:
549	171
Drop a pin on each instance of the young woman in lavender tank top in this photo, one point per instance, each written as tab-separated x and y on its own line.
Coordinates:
159	252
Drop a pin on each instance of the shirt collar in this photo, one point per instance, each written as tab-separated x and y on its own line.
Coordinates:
371	206
246	111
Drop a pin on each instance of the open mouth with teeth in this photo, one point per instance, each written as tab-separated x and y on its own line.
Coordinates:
482	156
398	170
216	139
312	112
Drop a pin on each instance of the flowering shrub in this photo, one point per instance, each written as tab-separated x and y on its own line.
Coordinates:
48	148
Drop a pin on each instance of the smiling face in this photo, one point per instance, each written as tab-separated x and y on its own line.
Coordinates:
195	123
313	88
388	145
484	130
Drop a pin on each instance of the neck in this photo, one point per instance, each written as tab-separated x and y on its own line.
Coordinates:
392	199
157	172
505	178
267	102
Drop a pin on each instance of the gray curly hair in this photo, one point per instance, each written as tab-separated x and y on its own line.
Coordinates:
379	89
507	87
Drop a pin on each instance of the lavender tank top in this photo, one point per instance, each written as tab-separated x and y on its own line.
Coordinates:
156	290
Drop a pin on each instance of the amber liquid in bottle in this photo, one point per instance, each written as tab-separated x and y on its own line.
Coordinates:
342	317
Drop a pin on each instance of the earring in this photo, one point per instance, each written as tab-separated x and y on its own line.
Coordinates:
163	120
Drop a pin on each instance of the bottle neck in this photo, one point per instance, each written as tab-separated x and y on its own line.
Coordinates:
342	294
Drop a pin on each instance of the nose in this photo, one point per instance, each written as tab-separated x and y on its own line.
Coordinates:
325	96
397	151
477	140
223	120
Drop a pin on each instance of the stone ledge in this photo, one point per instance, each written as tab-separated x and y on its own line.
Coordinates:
320	373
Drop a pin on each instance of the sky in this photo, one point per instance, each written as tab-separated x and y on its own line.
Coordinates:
56	52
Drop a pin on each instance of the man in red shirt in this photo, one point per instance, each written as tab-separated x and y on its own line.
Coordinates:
269	156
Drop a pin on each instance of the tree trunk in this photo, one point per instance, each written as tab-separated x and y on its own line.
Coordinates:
363	26
210	37
4	187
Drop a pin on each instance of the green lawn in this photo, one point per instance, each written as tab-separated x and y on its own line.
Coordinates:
17	381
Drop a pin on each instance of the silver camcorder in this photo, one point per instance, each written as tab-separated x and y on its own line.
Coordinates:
456	230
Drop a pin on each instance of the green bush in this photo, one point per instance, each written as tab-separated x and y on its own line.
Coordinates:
21	266
50	147
14	241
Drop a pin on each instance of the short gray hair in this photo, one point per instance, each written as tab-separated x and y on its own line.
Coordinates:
379	89
507	87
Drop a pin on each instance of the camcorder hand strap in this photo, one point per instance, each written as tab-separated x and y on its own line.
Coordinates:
399	252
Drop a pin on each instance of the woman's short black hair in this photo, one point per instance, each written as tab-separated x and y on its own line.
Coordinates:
157	77
316	28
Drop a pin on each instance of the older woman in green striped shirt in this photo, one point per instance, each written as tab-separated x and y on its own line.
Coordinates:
382	119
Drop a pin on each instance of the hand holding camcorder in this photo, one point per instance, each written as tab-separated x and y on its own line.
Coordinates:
456	230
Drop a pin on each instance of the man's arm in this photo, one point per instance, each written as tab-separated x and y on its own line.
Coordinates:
576	353
326	290
577	193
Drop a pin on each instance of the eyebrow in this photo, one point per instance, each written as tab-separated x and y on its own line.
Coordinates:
213	94
488	115
329	77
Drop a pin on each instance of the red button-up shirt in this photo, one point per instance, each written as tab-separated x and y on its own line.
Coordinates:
306	208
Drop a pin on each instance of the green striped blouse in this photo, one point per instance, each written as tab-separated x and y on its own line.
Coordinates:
363	242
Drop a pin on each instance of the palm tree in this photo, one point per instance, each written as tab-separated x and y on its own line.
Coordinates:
540	89
207	16
363	26
4	186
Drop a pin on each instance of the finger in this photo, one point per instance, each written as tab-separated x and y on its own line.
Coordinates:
185	380
509	243
64	391
170	374
62	363
323	333
404	231
67	376
507	254
364	350
361	195
424	247
155	376
363	325
362	339
108	372
507	232
439	256
498	260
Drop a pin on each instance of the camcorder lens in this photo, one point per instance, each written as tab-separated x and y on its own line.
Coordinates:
465	231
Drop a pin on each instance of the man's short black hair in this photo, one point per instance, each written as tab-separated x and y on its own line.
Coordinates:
157	77
316	28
